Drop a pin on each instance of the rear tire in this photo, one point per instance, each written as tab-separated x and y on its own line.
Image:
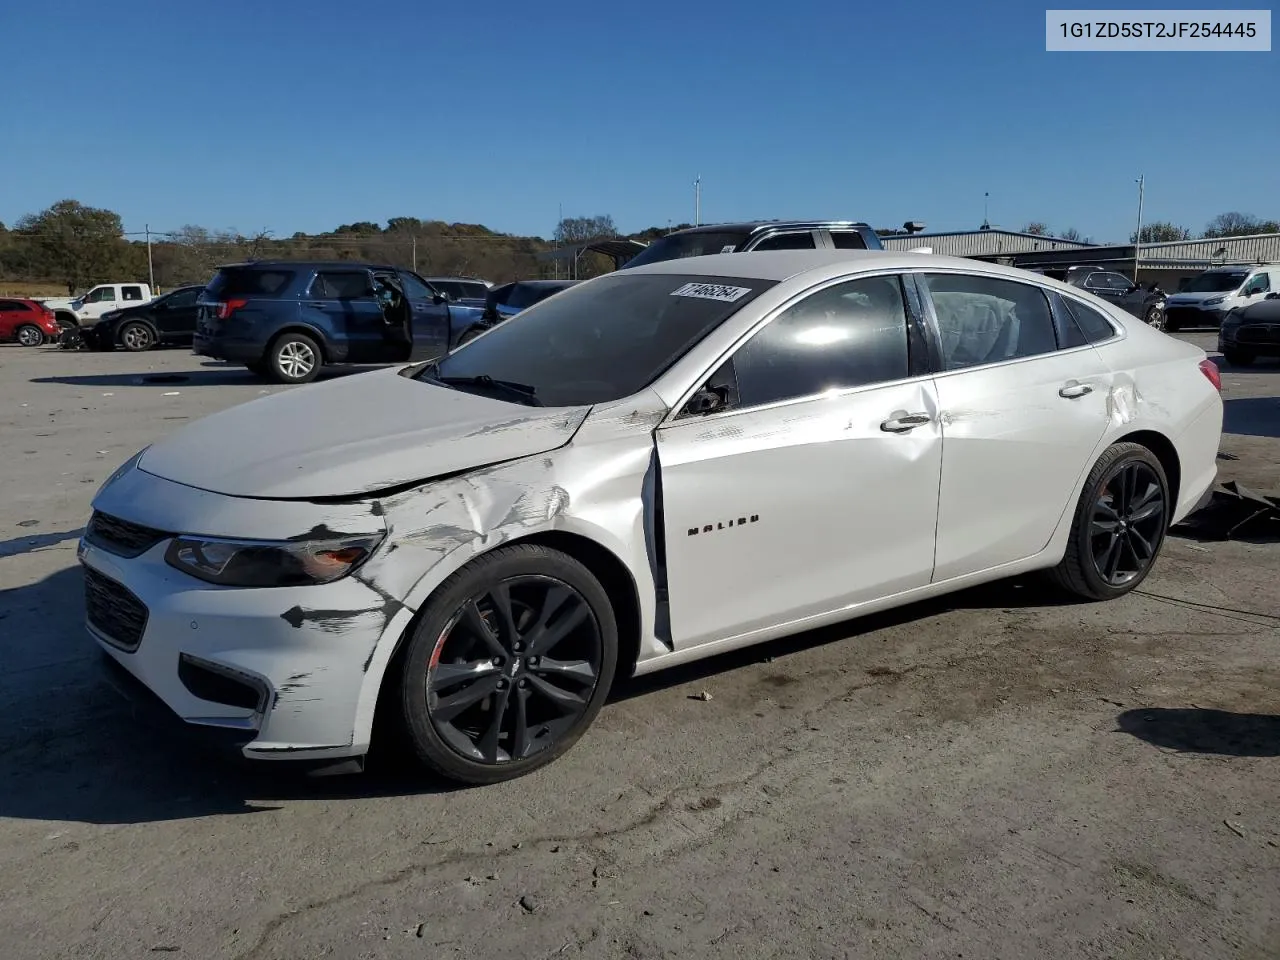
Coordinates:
136	337
486	697
293	358
1155	318
1238	358
1119	525
29	336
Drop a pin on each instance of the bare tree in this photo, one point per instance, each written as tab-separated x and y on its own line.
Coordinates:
1071	233
585	229
1161	231
1235	224
1037	228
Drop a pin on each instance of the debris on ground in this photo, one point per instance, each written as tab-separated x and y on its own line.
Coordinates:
701	695
528	904
1234	511
1234	828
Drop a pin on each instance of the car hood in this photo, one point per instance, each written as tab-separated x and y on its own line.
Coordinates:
53	303
1191	299
354	435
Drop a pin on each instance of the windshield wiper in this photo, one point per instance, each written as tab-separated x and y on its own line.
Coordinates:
522	391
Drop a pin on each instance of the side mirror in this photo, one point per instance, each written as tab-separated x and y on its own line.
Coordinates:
707	400
439	299
1273	295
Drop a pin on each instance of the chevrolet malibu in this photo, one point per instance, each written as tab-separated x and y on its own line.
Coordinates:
653	466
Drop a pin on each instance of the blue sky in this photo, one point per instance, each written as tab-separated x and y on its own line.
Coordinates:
286	115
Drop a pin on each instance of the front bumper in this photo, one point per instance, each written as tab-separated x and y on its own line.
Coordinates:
1193	316
280	672
1258	338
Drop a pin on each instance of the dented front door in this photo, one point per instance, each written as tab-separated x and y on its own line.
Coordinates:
784	512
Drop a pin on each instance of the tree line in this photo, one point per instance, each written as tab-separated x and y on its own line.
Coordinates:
77	246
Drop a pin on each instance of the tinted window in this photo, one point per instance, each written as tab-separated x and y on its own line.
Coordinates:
1092	323
340	285
183	298
131	293
474	291
787	241
604	339
988	319
414	288
249	283
676	246
12	306
1258	284
848	240
849	335
524	295
1214	282
1069	333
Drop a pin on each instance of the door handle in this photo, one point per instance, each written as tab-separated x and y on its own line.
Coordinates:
318	304
1073	390
905	423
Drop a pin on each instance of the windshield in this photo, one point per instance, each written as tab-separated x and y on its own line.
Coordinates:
676	246
601	340
1215	282
248	282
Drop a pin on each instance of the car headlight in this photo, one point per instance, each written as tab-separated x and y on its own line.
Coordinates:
1214	302
269	563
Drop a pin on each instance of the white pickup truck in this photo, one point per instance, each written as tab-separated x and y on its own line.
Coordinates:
84	310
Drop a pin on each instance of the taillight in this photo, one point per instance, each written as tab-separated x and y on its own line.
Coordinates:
226	308
1210	370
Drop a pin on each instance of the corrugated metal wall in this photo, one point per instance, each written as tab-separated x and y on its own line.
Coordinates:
983	243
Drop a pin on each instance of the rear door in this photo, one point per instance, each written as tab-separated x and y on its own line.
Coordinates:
342	304
429	321
1023	408
816	485
12	315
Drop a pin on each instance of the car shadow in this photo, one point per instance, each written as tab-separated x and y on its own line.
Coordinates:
1198	730
216	377
35	541
1252	416
73	749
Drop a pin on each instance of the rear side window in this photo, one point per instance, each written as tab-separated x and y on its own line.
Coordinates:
787	241
1092	323
12	306
676	246
131	293
848	240
183	298
250	283
474	291
850	335
989	319
340	285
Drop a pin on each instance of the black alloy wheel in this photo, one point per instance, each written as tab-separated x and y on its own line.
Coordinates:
510	664
1119	524
1155	317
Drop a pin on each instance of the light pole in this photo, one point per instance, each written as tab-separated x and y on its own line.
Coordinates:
151	269
1137	237
697	201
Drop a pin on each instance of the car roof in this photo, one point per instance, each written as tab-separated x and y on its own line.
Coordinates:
307	265
752	226
781	265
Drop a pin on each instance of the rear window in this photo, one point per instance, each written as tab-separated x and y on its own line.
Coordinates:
677	246
526	295
249	283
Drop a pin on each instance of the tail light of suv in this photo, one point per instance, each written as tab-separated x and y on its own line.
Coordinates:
225	308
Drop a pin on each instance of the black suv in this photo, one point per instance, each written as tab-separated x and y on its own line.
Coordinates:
759	235
285	319
168	319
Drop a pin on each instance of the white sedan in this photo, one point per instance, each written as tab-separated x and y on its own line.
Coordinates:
657	465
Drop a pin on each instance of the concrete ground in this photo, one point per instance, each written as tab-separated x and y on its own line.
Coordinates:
992	776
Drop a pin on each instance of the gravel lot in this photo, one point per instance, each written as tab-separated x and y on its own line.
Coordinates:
996	775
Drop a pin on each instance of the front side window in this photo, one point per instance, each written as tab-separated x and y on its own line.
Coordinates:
787	241
131	293
850	335
1259	284
989	319
414	288
183	298
848	240
601	340
100	295
340	285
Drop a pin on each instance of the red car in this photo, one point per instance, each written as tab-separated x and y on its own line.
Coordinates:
27	322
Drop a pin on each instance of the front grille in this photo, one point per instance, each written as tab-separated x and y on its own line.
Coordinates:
114	611
121	537
1263	333
1187	316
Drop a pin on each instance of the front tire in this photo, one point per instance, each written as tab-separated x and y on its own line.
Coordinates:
136	337
1119	525
293	358
508	665
29	336
1238	358
1155	318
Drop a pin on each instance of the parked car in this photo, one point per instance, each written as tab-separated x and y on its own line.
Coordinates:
759	235
1212	295
659	464
167	320
506	300
469	290
1147	304
86	309
1251	332
26	322
285	319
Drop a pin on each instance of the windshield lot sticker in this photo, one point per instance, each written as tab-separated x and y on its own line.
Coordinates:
712	291
727	248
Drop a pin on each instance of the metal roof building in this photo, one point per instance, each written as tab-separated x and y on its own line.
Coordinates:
981	243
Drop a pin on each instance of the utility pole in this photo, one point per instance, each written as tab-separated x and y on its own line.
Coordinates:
151	269
1137	237
415	253
697	201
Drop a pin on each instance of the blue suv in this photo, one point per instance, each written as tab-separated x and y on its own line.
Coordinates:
285	319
